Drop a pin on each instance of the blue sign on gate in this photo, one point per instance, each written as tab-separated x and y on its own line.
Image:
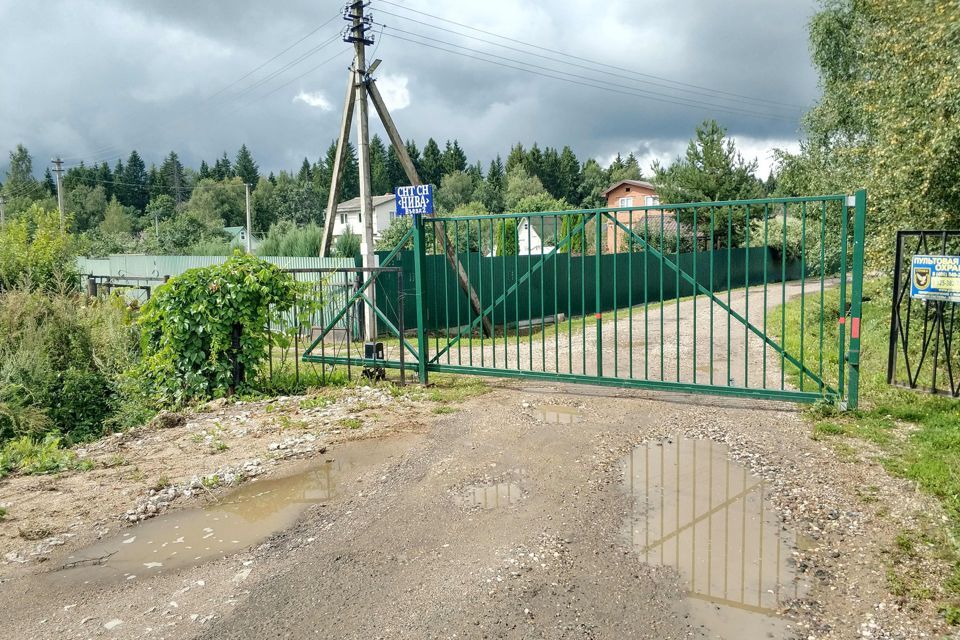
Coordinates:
935	278
415	200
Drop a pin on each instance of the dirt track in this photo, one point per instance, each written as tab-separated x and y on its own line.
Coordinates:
400	552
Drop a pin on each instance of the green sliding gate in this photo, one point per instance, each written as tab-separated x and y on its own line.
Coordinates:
680	297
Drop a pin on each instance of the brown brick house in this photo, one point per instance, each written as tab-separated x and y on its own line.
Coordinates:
634	193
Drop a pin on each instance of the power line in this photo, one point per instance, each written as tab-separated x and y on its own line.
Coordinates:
266	62
206	102
754	102
652	94
567	77
576	57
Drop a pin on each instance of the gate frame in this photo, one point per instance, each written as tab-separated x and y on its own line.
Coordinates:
846	393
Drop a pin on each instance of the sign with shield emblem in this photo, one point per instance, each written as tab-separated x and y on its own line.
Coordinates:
935	278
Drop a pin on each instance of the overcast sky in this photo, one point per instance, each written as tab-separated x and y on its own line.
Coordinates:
90	80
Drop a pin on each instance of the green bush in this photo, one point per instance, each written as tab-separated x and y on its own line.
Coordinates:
287	239
35	253
188	328
62	360
792	246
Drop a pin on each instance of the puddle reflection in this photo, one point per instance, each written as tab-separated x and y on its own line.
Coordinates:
557	414
244	517
696	511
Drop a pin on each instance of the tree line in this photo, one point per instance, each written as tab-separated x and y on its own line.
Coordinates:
172	208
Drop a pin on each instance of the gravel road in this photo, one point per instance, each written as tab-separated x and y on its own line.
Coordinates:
511	518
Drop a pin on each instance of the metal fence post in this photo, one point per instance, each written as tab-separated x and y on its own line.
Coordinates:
856	297
598	219
419	263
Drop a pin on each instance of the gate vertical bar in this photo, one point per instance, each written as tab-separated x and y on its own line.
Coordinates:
856	297
419	260
598	256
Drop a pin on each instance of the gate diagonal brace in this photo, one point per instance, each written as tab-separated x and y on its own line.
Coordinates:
357	296
516	285
739	318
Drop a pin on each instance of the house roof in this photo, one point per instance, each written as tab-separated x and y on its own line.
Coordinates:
635	183
354	204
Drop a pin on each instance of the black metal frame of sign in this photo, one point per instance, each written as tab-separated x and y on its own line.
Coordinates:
923	353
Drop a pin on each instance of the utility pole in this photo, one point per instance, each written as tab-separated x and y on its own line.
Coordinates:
249	222
359	86
59	171
3	212
357	35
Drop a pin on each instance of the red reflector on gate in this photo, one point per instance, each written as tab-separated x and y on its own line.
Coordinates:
855	328
842	320
599	316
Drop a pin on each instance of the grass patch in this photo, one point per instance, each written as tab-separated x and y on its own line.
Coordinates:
918	433
33	457
442	409
455	389
161	483
351	423
3	513
318	401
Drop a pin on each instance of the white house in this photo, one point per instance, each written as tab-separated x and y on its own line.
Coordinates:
348	216
529	242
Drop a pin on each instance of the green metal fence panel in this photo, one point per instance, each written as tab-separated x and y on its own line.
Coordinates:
631	277
660	297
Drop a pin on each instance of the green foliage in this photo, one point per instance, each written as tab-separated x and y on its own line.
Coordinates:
287	239
391	236
889	116
117	219
347	245
773	232
32	457
521	184
507	241
61	363
188	327
34	252
926	452
246	169
219	203
666	242
568	225
456	189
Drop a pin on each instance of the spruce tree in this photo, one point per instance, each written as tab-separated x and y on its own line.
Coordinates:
306	172
379	174
136	185
432	164
48	183
568	176
454	159
172	180
104	178
246	168
204	172
516	158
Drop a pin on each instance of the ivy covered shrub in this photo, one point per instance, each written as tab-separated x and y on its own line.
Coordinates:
189	326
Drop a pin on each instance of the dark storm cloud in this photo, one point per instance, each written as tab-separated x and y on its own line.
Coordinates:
91	80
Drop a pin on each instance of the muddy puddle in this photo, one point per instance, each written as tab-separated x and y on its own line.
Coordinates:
509	490
557	414
707	517
235	521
